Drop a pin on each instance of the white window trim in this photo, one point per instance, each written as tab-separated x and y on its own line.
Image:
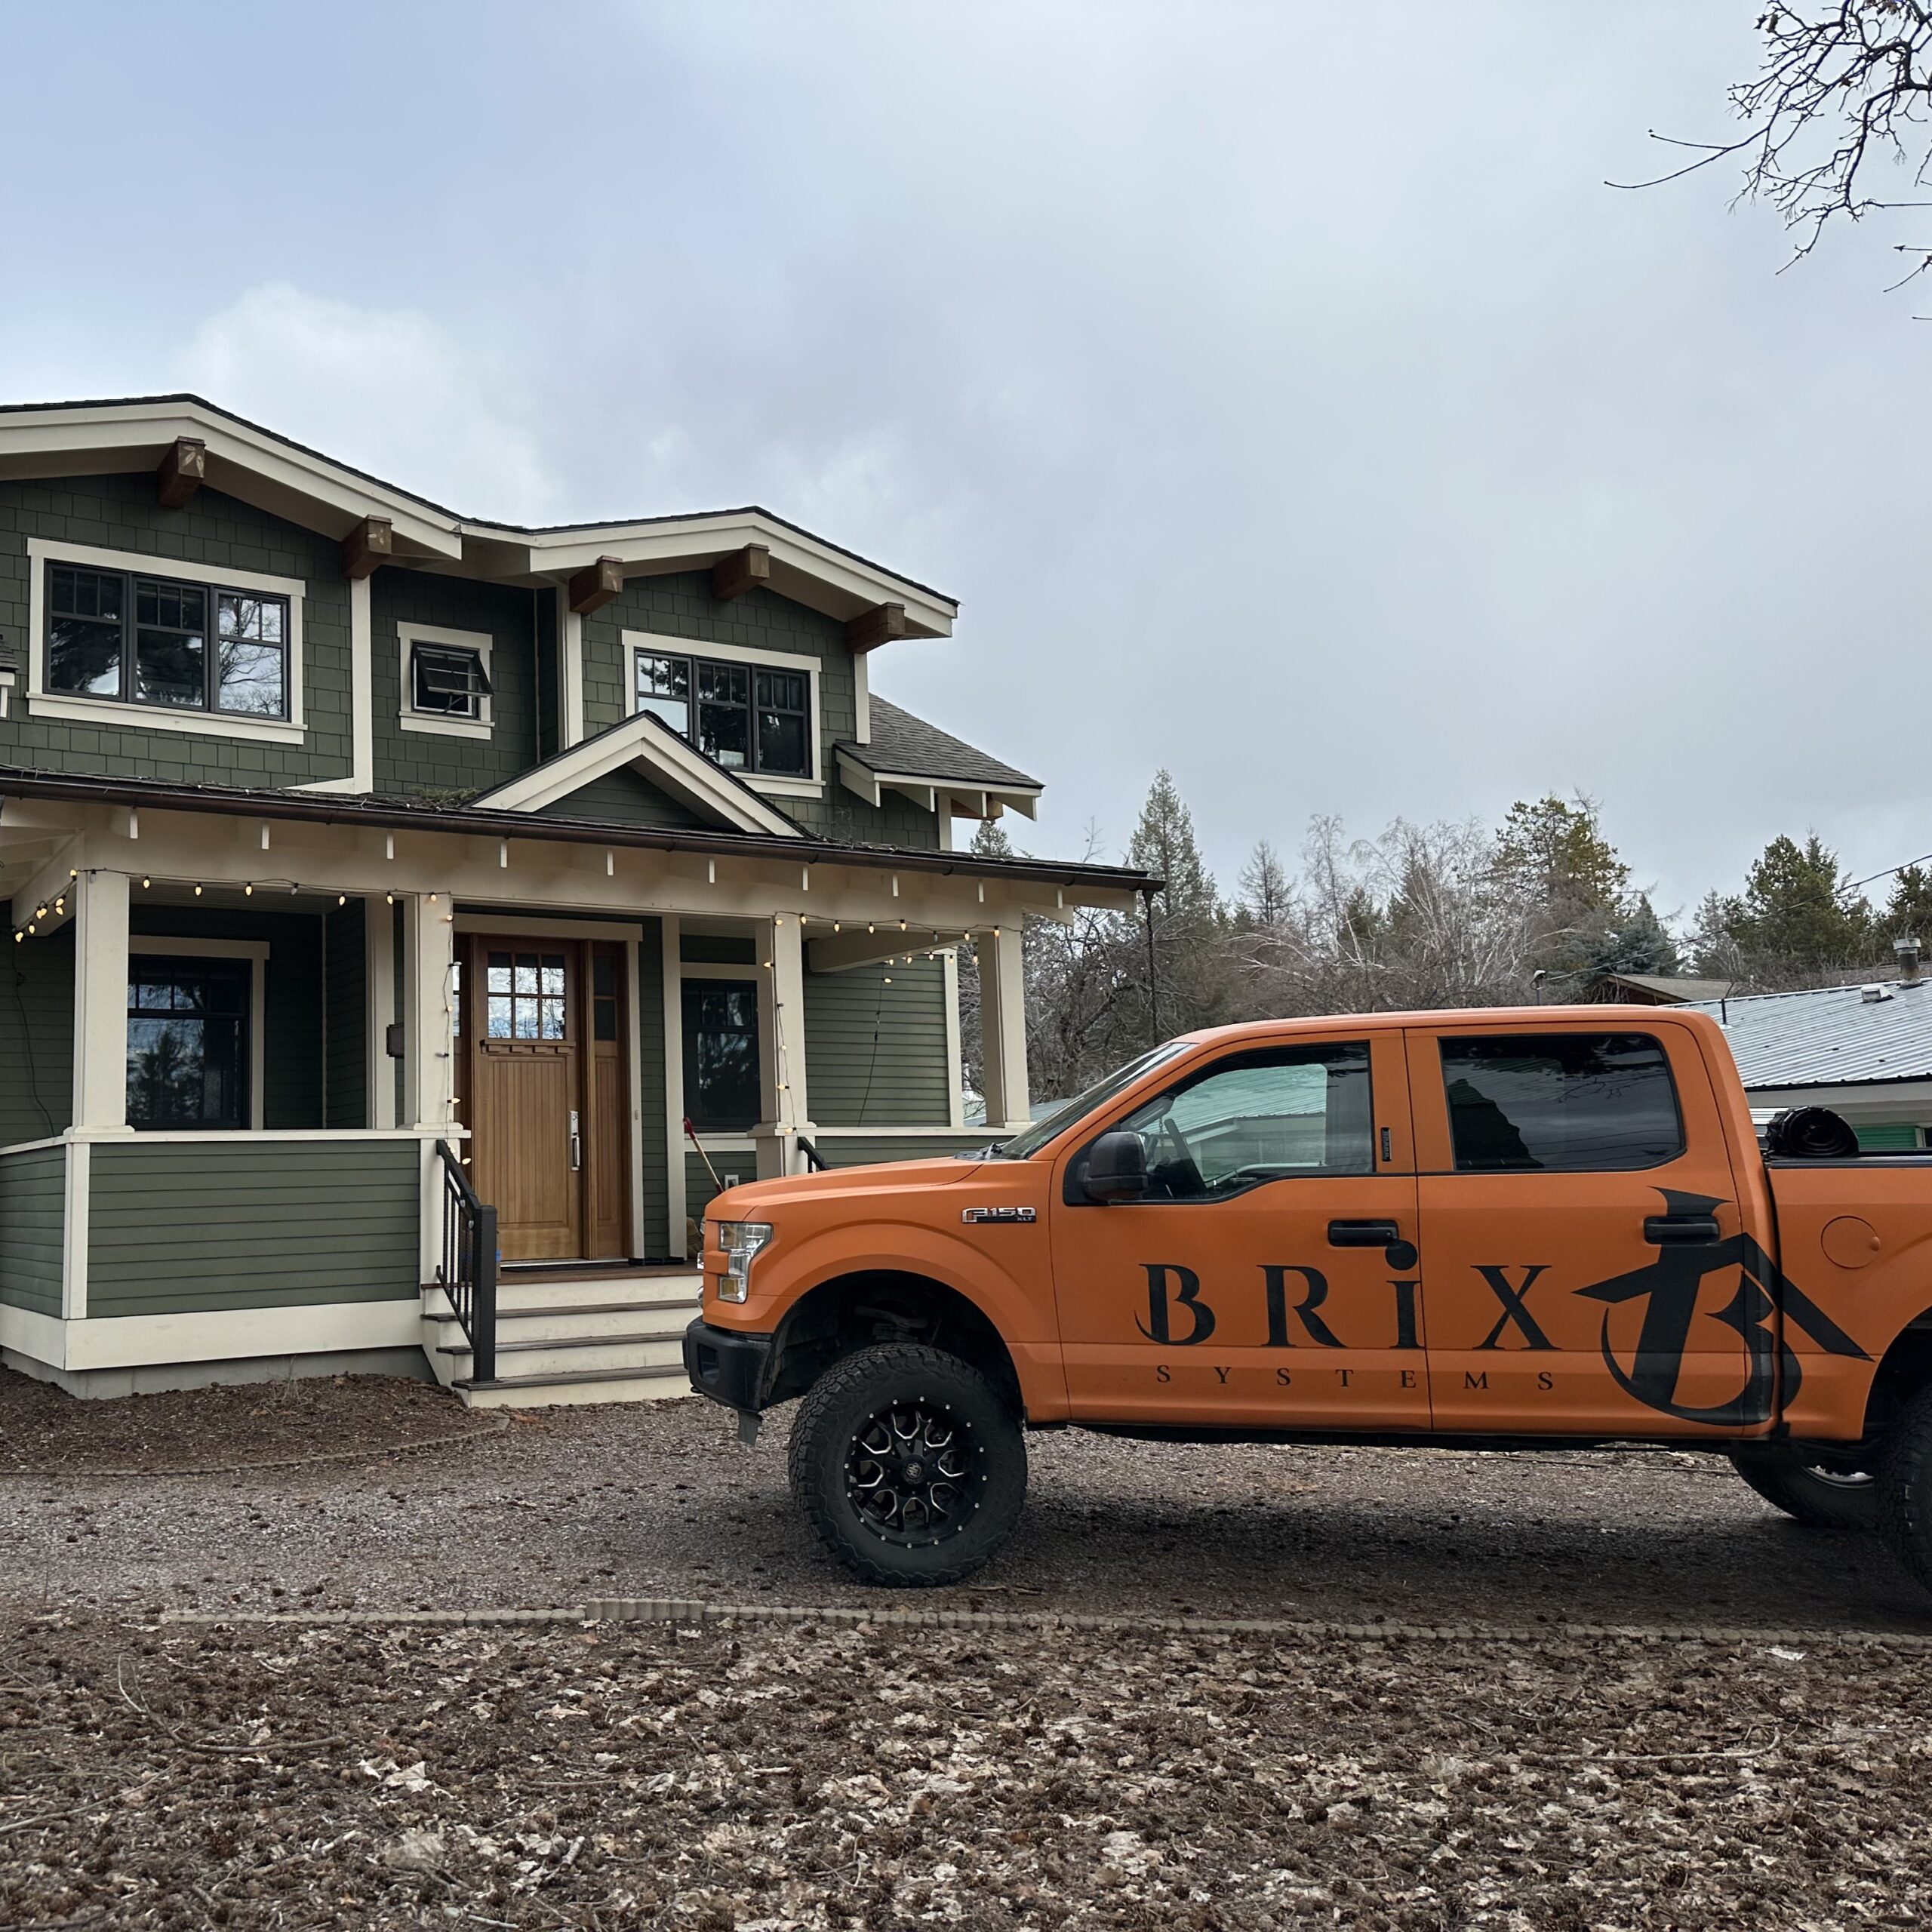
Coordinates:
179	946
409	636
121	713
653	644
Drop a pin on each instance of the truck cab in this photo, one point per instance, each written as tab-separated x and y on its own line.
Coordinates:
1494	1227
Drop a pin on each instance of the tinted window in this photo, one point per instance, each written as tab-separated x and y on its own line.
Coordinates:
1259	1116
722	1088
1561	1102
188	1042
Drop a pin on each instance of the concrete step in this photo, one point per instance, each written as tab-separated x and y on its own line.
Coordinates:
593	1318
635	1288
661	1348
596	1385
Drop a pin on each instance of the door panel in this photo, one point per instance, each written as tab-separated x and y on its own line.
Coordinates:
1238	1292
525	1076
1581	1229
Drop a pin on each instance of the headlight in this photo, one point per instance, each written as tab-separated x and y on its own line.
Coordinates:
740	1240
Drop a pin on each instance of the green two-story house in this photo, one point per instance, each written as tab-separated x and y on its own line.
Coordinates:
415	919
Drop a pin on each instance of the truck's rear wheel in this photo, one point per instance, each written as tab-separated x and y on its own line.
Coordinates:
1905	1489
911	1468
1821	1498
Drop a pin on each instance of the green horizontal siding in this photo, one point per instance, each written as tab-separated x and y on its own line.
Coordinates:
875	1045
33	1194
37	1037
177	1226
856	1151
700	1190
1887	1137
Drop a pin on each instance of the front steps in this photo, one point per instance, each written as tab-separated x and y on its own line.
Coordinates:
572	1335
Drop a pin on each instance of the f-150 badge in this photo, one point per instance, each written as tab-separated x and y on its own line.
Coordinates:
1022	1214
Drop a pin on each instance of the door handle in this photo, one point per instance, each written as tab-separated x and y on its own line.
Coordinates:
1680	1230
1363	1234
576	1141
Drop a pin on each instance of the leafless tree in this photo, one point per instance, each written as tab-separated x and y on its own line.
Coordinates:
1843	90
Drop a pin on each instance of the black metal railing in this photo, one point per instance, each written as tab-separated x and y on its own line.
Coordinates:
817	1161
467	1271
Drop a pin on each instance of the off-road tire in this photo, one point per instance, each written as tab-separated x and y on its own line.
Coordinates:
829	1459
1785	1480
1905	1489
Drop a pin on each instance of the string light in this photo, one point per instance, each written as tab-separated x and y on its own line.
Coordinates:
390	897
834	925
342	899
197	890
146	884
40	911
248	891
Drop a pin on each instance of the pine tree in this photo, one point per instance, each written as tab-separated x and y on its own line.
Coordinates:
1799	918
1554	850
1265	892
1908	912
1183	972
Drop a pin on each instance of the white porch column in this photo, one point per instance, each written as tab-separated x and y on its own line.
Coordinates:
100	1000
781	1025
1003	1024
379	976
428	1019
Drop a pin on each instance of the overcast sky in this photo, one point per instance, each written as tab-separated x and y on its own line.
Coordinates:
1279	387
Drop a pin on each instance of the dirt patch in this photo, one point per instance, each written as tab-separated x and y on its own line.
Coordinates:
810	1778
43	1430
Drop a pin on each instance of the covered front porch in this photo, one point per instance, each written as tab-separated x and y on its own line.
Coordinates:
285	1075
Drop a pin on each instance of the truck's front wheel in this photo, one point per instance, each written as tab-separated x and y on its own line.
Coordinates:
910	1466
1905	1489
1824	1499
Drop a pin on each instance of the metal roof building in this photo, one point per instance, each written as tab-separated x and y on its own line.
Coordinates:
1865	1051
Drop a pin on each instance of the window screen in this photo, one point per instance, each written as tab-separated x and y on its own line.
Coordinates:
1573	1103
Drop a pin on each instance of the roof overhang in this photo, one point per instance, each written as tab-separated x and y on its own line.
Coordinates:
244	461
958	797
651	747
803	567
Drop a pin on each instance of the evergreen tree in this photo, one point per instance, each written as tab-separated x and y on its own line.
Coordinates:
1554	850
1265	892
1639	943
990	841
1183	972
1908	911
1799	918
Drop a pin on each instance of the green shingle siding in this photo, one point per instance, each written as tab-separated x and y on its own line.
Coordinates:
345	1021
211	534
680	605
408	762
174	1227
33	1197
294	1012
875	1045
37	1037
624	796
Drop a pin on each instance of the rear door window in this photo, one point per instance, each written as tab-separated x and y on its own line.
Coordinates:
1560	1103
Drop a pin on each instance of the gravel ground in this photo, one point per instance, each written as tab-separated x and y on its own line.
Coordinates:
615	1777
157	1774
658	1499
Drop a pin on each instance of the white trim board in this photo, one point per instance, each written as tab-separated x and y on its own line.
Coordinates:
648	743
120	714
408	636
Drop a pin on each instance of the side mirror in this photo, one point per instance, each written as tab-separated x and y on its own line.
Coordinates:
1116	1167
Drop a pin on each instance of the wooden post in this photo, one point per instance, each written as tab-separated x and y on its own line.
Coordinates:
881	624
182	471
595	585
368	547
1003	1024
742	570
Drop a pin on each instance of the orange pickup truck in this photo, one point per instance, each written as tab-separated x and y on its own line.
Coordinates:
1491	1229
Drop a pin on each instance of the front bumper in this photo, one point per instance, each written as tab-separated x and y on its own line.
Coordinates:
730	1368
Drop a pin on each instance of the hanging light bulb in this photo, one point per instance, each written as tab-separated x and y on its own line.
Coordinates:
197	889
146	883
342	899
248	891
389	897
40	911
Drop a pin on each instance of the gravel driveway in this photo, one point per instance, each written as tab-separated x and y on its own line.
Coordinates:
659	1499
156	1774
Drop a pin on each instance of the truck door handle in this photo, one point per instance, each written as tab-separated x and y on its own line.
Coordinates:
1363	1234
1680	1230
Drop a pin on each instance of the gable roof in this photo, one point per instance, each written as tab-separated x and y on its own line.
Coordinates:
645	743
1828	1036
1669	989
904	746
288	479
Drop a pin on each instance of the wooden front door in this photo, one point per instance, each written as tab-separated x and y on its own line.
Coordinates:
542	1077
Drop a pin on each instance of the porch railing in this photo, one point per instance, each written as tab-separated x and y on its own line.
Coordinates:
467	1271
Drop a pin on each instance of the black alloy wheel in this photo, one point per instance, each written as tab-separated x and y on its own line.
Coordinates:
910	1465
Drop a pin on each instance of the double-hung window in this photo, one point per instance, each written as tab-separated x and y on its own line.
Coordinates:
166	642
748	717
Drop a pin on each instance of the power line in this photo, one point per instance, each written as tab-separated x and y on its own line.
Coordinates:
1889	871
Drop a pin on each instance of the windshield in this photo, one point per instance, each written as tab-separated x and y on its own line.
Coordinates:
1029	1140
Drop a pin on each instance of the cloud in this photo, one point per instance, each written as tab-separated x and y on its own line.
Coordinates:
389	390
